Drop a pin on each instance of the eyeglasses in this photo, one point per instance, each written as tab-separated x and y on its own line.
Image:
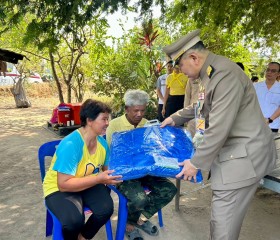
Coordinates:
271	70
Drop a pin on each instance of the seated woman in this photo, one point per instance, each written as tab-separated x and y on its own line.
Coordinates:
78	175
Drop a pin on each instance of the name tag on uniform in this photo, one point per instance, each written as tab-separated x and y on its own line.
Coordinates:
200	124
200	127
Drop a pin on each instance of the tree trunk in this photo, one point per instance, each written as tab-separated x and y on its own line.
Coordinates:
59	89
79	89
69	97
20	95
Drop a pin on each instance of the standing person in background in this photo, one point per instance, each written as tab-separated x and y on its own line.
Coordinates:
175	92
237	145
268	93
161	85
78	176
191	97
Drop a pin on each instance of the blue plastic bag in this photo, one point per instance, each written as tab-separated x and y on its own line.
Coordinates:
150	151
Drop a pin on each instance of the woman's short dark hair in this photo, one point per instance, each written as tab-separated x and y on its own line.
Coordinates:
91	109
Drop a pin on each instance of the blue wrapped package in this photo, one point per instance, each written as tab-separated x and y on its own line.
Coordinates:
150	151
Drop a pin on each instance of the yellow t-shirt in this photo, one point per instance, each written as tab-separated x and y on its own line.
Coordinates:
176	82
72	157
120	124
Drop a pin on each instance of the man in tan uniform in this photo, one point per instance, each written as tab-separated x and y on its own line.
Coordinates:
237	147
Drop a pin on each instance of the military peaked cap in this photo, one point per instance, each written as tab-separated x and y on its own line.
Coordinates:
176	49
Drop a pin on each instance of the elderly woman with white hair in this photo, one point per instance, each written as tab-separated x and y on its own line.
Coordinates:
162	190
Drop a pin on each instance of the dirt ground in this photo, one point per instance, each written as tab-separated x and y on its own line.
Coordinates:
22	210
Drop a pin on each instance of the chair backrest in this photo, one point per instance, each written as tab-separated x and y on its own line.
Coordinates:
46	150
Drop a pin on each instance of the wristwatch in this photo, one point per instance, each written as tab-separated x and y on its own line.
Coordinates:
270	120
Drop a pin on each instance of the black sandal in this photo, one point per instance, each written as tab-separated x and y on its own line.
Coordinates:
149	228
134	235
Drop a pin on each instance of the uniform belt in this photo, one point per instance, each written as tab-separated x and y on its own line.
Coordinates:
274	130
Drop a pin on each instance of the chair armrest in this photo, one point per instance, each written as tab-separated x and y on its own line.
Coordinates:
113	188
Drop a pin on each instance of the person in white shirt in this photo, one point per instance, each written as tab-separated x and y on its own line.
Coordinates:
268	93
161	88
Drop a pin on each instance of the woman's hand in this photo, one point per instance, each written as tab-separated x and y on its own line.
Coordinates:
106	178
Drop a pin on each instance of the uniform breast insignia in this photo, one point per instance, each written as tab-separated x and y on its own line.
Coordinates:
201	93
210	70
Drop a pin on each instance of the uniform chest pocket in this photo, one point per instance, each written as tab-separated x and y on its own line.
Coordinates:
235	164
233	152
274	98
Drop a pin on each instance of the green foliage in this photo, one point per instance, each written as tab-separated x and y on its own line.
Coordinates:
151	109
222	41
115	72
259	19
70	36
52	17
124	66
63	29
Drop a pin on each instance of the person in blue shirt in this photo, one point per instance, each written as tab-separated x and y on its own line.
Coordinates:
268	93
161	86
78	176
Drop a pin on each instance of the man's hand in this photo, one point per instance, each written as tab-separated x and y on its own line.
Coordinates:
167	121
189	171
106	178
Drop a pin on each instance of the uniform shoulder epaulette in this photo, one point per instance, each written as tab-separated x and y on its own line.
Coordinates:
210	70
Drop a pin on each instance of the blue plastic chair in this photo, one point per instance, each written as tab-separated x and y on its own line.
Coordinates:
123	212
53	226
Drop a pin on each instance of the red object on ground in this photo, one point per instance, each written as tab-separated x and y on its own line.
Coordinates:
54	118
76	108
64	115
